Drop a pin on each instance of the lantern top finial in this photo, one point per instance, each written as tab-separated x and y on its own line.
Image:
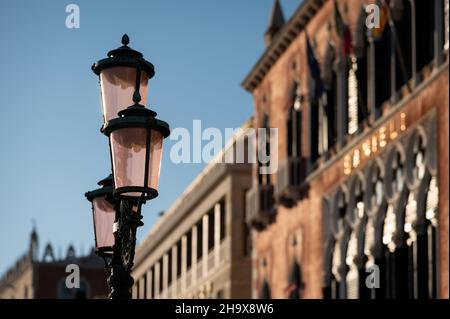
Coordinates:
124	56
125	39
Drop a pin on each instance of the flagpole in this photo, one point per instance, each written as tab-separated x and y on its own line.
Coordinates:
398	47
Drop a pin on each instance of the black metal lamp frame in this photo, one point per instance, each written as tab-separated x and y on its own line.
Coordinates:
128	218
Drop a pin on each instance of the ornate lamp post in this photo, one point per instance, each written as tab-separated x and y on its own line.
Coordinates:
103	215
135	139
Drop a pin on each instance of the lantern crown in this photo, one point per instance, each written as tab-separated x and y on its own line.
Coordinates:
126	57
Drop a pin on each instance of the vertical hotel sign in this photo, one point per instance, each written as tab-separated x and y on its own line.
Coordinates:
375	143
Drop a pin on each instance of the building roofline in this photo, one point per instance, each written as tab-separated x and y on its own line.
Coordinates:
281	42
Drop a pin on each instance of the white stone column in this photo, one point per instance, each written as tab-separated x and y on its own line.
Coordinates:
183	262
216	234
175	291
205	245
141	287
165	275
150	285
134	291
156	284
194	254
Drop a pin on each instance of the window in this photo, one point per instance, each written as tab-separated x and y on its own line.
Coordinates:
264	151
211	229
356	275
295	282
189	249
144	282
382	70
424	32
199	239
72	293
396	223
401	10
179	259
137	287
170	262
151	287
329	99
361	49
220	294
246	237
161	275
294	122
338	283
323	125
264	292
223	221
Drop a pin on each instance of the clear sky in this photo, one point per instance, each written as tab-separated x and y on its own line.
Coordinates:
51	150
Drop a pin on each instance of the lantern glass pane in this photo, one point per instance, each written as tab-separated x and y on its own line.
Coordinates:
155	159
128	155
117	88
104	215
128	148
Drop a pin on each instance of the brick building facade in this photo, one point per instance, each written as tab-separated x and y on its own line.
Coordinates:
32	277
363	152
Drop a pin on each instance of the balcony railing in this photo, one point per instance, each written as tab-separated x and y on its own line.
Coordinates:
260	206
290	177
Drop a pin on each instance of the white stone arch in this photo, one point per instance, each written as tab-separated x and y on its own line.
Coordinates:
415	142
395	157
339	198
376	167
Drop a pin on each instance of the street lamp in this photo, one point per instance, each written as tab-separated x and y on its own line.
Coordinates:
121	74
135	139
103	214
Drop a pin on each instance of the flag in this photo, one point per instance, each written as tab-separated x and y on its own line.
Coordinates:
314	70
343	30
338	22
290	288
377	33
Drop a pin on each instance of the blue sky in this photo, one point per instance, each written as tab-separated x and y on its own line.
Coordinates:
51	148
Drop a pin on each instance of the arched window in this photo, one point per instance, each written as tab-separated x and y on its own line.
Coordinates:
401	18
73	293
361	47
432	206
398	281
420	225
264	146
328	101
294	122
398	173
295	282
355	279
264	291
382	69
338	268
425	26
352	277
